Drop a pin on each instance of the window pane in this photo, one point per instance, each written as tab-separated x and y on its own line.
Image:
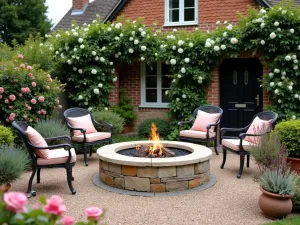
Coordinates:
189	3
151	95
174	15
151	69
151	81
165	82
189	14
165	69
174	4
165	98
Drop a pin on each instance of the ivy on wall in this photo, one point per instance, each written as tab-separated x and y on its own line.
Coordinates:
88	54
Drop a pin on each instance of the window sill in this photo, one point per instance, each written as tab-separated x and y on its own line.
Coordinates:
154	106
181	24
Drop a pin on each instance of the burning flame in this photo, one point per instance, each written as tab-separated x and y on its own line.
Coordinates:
154	136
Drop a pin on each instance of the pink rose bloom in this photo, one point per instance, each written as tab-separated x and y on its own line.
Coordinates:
43	111
25	117
23	90
12	114
1	90
10	107
27	89
41	99
59	106
20	56
93	212
22	65
1	97
26	105
48	75
28	108
48	87
6	101
32	78
33	84
30	74
54	206
50	79
30	120
11	118
15	201
67	220
29	67
20	94
33	101
7	120
38	112
12	98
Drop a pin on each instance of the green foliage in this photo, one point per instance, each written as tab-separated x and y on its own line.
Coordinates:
110	118
289	132
51	128
290	221
124	138
296	197
6	135
124	108
13	162
19	19
26	92
163	127
278	181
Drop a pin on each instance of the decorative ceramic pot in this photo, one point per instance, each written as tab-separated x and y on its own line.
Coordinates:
127	129
295	164
5	187
275	206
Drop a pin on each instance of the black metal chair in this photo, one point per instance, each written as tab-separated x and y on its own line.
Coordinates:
240	146
85	139
201	136
67	160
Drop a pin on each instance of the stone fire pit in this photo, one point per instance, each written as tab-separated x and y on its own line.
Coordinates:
154	174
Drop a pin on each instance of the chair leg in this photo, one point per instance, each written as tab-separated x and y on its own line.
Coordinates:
85	154
242	162
38	175
215	144
30	192
207	143
69	178
91	150
224	158
248	161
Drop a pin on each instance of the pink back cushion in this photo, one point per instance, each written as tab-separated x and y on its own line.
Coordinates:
82	122
203	119
36	139
258	126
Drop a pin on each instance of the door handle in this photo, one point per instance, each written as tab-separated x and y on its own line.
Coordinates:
257	100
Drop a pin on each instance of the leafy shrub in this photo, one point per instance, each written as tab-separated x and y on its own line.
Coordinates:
6	135
163	127
51	128
13	162
111	118
289	133
296	197
124	108
26	92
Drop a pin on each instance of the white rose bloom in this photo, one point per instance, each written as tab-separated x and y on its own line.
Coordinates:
75	33
293	117
173	61
57	52
82	46
276	24
155	54
109	29
276	91
288	58
200	81
276	70
183	70
100	85
218	22
90	108
187	60
143	33
295	67
80	97
179	76
229	27
294	56
166	92
86	29
262	11
115	79
102	59
298	47
225	34
279	84
69	62
131	39
136	42
279	29
290	88
283	77
94	53
212	41
177	99
223	47
96	91
80	71
296	96
118	25
111	63
105	108
279	101
143	48
283	12
174	47
191	44
272	35
94	71
183	96
75	49
234	41
271	75
121	35
142	58
207	45
77	57
262	42
217	48
295	61
117	38
262	25
174	80
218	39
180	42
180	50
225	22
130	50
283	73
271	84
74	68
292	31
80	40
97	58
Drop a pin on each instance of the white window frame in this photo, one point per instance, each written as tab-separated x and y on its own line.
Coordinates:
159	103
181	15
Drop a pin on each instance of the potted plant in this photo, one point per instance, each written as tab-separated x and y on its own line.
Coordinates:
289	133
13	163
125	109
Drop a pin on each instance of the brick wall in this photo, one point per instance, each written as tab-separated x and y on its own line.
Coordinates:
79	4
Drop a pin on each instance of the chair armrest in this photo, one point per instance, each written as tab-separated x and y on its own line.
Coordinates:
243	135
184	122
66	138
110	126
83	130
65	146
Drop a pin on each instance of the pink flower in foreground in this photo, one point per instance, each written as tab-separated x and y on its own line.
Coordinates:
12	98
22	65
33	101
67	220
26	105
54	205
43	111
59	106
23	90
28	108
25	117
1	90
29	67
38	112
20	94
6	101
48	75
50	79
30	74
93	212
41	99
33	84
1	96
48	87
27	89
10	107
20	56
15	201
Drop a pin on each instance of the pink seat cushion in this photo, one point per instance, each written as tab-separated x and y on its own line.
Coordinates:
82	122
57	156
195	134
203	119
234	144
258	126
92	137
36	139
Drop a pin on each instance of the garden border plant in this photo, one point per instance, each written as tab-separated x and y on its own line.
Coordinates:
88	53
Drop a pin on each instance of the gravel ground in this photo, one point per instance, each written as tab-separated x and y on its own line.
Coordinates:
229	201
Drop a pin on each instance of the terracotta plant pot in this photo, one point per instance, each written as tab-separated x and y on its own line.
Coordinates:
295	164
127	129
5	187
275	206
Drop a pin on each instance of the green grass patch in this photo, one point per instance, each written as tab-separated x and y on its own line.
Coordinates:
291	221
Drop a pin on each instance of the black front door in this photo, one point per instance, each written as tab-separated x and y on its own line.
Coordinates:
240	91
